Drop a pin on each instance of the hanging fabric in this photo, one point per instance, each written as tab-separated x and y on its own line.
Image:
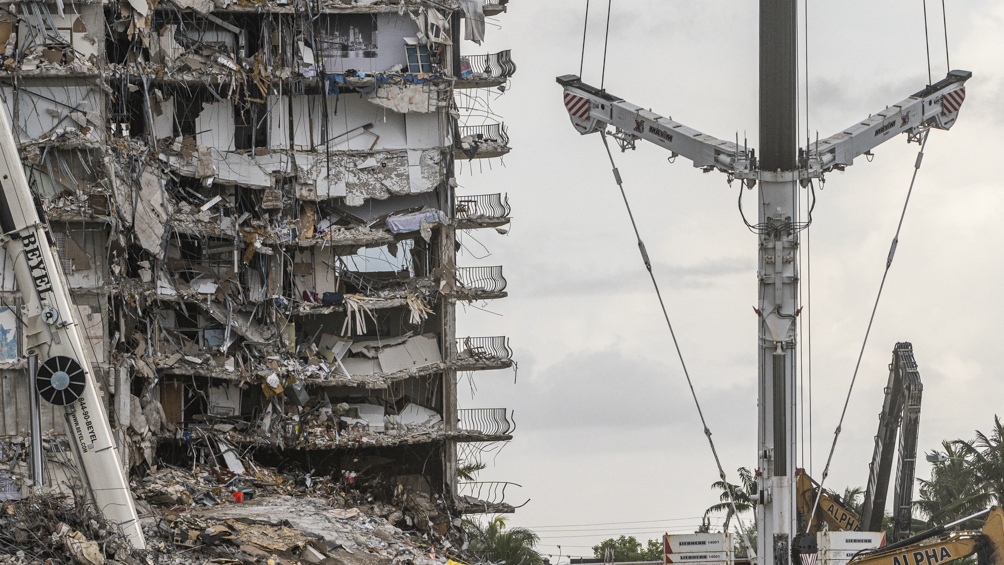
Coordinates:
474	13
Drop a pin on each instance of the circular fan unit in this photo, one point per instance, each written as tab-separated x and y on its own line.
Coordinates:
60	380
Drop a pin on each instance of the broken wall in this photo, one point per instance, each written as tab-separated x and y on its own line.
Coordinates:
44	110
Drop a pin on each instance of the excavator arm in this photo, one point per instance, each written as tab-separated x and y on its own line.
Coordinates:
832	510
942	545
49	321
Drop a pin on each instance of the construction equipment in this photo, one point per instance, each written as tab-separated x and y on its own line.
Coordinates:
942	544
593	110
832	510
776	170
900	414
52	333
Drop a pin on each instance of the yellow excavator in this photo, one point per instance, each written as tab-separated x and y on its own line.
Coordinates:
943	544
832	509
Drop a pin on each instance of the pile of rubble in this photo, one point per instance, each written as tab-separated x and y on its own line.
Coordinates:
212	515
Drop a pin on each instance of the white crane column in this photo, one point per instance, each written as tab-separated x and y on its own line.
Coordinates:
778	279
778	308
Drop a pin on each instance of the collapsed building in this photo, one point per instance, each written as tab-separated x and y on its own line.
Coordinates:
256	206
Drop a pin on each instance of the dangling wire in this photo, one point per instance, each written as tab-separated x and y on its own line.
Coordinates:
676	344
606	41
927	41
888	264
585	28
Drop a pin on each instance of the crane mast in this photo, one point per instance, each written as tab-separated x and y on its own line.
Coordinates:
777	280
780	170
49	320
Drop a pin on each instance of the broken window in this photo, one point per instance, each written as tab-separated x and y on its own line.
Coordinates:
251	125
419	59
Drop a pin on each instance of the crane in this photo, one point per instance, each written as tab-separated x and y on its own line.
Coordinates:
778	169
52	332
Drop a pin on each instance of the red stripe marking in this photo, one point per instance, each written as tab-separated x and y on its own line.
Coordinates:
953	101
577	106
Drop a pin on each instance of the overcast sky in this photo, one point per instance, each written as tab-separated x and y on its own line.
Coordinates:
606	432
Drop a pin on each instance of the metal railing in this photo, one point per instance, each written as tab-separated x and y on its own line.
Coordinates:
481	279
486	421
494	206
489	66
495	133
487	493
491	349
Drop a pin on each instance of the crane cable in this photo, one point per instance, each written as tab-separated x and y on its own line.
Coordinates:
676	343
927	42
606	43
888	264
585	29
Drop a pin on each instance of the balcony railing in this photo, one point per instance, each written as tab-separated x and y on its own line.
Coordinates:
486	133
481	279
487	350
495	6
488	67
484	206
489	494
486	421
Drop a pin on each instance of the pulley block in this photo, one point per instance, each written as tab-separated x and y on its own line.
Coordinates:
60	380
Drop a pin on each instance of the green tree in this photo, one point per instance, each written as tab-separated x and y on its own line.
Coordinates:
985	456
954	490
627	548
495	543
742	495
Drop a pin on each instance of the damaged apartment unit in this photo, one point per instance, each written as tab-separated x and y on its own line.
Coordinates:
256	206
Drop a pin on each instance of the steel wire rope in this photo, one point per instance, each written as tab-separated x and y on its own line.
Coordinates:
871	320
585	29
606	42
944	23
672	333
927	44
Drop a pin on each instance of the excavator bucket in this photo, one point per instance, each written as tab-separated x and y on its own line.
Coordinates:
992	552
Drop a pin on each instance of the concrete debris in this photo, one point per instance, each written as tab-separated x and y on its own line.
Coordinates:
256	209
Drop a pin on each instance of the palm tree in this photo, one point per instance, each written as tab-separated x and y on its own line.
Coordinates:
954	489
741	495
985	456
494	543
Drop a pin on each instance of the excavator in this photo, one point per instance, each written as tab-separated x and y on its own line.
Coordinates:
832	509
53	336
942	544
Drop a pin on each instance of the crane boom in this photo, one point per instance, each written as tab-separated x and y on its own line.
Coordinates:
935	106
592	110
49	320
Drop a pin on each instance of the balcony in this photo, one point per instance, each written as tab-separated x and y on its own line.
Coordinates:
481	211
485	498
482	142
480	283
495	7
483	353
485	71
485	424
